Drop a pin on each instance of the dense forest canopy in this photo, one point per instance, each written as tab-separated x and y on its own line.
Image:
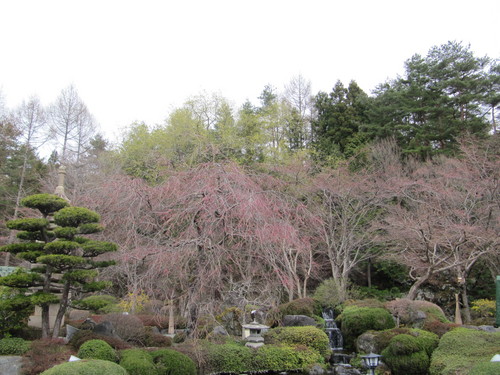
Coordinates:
260	204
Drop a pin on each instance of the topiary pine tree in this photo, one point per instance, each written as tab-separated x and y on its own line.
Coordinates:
56	246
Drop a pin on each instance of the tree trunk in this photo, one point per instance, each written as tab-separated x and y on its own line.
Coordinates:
45	321
62	310
412	294
465	302
171	325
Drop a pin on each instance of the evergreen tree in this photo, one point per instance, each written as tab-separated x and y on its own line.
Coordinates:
56	246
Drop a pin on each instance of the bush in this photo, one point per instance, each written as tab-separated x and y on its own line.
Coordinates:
44	354
180	337
83	336
357	320
171	362
409	354
95	304
127	327
308	336
408	312
276	358
152	339
439	328
327	294
15	309
230	357
137	362
486	368
460	349
97	349
86	367
13	346
159	321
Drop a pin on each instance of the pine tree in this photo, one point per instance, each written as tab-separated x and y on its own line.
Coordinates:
54	244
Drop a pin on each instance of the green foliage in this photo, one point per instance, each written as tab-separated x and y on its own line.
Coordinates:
90	228
87	367
137	362
410	353
171	362
308	336
15	309
356	320
21	279
96	303
460	349
61	262
61	247
65	232
277	358
486	368
229	357
327	294
28	224
97	349
95	248
22	247
484	307
381	295
75	216
35	236
43	298
13	346
45	203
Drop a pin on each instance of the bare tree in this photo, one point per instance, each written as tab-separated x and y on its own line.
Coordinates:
71	123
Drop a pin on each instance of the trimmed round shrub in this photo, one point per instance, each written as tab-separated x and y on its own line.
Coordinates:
137	362
45	203
486	368
74	216
308	336
357	320
405	355
171	362
461	349
276	358
13	346
86	367
230	357
416	363
95	303
28	224
97	349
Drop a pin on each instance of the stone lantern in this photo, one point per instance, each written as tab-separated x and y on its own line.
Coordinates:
252	333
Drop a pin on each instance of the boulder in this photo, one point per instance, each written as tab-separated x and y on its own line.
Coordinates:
316	370
345	370
105	328
298	321
365	343
220	331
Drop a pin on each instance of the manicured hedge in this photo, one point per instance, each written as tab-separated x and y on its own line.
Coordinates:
357	320
405	356
171	362
97	349
137	362
461	349
308	336
86	367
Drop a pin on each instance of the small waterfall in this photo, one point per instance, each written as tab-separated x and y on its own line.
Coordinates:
333	332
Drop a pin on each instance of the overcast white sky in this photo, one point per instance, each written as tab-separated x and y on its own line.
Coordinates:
136	60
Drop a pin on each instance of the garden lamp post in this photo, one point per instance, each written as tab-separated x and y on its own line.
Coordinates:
371	361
